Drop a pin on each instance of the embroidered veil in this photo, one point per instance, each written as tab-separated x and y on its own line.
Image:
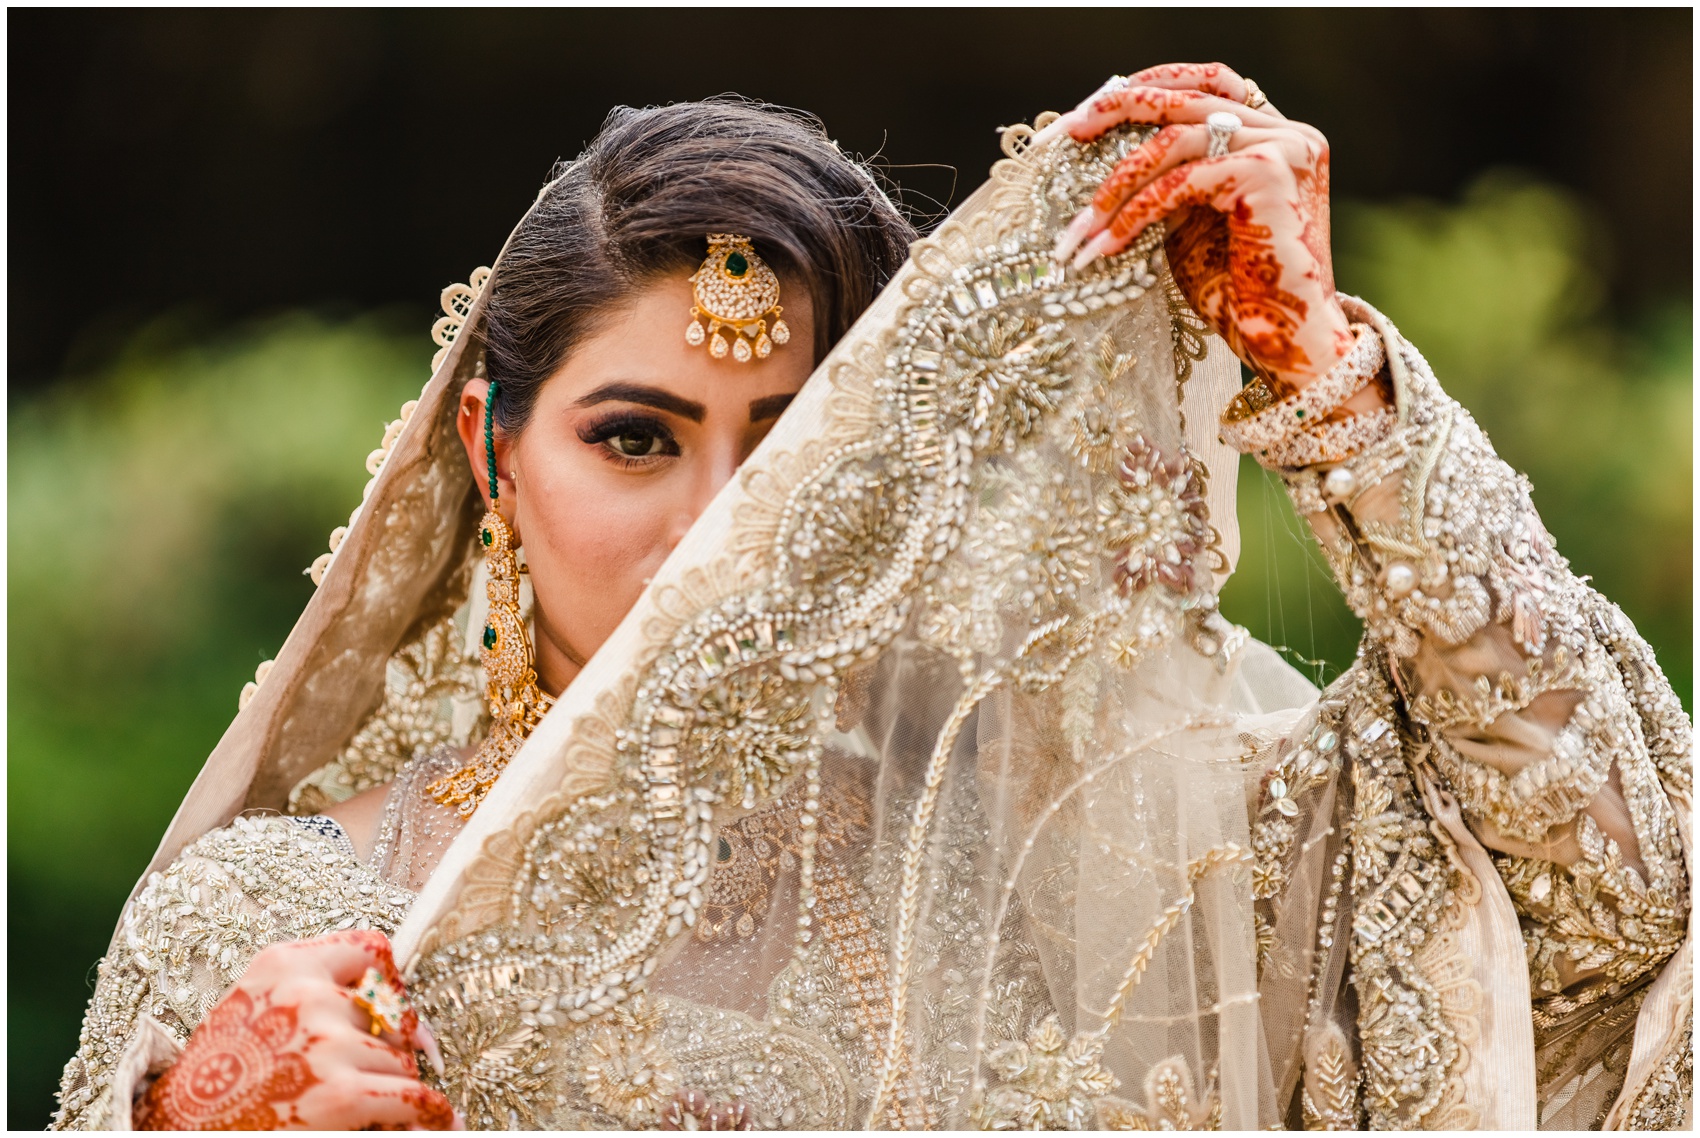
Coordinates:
938	685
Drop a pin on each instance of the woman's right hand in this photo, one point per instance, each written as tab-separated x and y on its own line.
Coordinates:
288	1048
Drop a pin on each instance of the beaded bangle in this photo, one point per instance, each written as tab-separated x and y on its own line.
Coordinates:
490	436
1330	442
1249	426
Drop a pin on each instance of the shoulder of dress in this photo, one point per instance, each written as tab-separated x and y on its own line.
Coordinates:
299	875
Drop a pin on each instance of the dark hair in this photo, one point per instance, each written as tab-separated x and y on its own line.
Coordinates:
640	203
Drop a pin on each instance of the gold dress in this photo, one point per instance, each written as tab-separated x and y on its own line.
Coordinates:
927	787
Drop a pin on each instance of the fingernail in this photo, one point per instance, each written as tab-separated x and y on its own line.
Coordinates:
1083	258
426	1041
1052	129
1076	232
1067	242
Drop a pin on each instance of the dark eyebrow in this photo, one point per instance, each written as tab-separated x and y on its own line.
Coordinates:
648	396
769	406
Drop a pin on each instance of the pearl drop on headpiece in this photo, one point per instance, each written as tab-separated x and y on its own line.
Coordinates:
735	291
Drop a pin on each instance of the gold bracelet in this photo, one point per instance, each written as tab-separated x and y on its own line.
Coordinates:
1251	425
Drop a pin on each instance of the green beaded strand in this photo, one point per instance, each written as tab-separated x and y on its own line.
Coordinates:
490	436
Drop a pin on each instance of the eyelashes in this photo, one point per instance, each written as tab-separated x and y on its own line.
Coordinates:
630	439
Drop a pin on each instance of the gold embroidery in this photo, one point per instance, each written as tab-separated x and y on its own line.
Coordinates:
855	539
1403	891
1100	418
494	1068
1170	1103
1330	1090
627	1071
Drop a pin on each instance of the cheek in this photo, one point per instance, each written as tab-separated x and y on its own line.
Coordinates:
591	540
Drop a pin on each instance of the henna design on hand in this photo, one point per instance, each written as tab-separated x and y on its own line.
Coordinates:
1231	274
288	1048
243	1070
1248	232
1211	78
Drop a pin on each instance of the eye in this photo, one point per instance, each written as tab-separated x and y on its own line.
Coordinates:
637	444
630	438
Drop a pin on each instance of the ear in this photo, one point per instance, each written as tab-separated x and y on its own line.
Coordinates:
469	421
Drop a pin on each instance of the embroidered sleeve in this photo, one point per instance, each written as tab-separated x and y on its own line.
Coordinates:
1546	713
191	931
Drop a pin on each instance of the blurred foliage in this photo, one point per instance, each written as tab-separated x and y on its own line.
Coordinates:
160	519
161	515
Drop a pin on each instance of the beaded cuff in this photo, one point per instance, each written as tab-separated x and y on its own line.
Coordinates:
1468	547
1331	441
1255	421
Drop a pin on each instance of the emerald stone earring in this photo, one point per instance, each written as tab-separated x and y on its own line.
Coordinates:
511	695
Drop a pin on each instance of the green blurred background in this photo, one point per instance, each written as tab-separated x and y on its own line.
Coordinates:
228	230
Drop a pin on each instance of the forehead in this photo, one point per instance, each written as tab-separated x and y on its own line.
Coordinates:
643	341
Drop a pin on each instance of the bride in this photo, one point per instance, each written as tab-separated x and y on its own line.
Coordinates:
677	740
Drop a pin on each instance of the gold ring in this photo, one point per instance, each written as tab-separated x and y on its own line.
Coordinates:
1254	96
386	1004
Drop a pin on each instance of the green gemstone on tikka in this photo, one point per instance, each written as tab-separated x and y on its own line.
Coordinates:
489	638
737	264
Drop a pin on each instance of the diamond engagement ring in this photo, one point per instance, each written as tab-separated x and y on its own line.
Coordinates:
1222	126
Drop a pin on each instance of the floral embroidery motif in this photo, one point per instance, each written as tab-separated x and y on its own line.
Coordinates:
1011	378
1049	1082
586	872
1156	514
1100	419
754	731
494	1068
626	1070
841	518
1043	544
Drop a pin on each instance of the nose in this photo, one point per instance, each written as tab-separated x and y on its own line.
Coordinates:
716	469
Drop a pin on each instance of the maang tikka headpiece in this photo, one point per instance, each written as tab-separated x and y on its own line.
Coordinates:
735	289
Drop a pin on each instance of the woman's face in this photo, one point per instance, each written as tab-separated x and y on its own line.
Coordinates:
626	444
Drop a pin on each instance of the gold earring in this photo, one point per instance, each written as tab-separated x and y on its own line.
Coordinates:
515	702
735	290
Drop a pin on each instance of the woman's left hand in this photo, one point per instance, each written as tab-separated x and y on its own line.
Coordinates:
1247	232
